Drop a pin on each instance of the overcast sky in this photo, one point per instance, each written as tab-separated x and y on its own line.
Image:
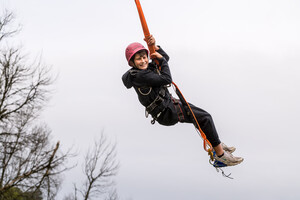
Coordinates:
237	59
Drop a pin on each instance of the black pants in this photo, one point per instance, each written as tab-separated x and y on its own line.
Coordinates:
170	117
206	123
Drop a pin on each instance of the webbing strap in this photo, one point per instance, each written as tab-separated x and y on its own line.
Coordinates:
178	109
157	101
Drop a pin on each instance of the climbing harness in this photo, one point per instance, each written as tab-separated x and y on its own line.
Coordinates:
156	107
206	144
146	93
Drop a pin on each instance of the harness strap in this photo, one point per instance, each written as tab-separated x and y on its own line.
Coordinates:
155	108
178	109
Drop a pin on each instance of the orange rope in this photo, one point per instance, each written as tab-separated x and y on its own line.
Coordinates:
144	26
206	144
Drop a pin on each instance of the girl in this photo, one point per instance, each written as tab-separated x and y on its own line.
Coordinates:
150	85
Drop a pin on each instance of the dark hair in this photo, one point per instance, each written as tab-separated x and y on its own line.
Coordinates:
141	52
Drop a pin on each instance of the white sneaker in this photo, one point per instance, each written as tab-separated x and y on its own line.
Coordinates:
228	149
228	159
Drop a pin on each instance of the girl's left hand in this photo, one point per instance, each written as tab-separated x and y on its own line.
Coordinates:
156	55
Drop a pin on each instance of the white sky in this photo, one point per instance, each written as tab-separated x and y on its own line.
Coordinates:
237	59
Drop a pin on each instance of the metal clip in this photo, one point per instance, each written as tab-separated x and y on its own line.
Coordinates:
153	121
146	113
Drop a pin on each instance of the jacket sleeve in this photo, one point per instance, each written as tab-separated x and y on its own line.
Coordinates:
163	53
151	78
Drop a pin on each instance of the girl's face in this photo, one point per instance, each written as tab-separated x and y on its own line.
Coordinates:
141	60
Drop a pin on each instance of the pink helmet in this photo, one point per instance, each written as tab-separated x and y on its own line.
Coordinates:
132	49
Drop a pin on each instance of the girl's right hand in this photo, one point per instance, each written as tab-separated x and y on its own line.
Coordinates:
150	41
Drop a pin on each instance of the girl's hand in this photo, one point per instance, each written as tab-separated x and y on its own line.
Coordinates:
151	41
156	55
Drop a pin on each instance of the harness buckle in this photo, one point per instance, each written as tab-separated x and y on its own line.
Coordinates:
146	113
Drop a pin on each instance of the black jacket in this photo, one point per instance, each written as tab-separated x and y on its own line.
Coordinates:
148	83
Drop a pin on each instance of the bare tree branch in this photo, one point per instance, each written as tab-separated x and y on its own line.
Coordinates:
5	20
28	160
100	167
